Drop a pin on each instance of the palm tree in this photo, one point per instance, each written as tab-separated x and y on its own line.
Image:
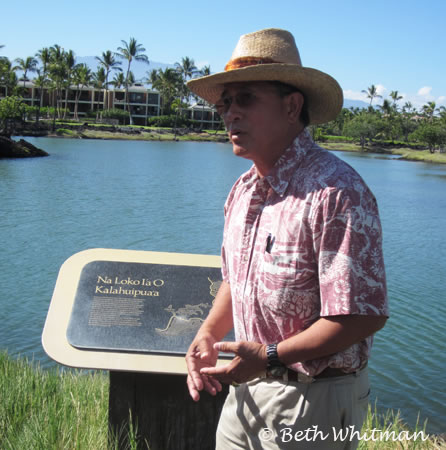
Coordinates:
205	71
99	82
386	108
131	78
70	63
442	113
45	59
131	51
167	84
152	77
82	78
187	70
39	83
8	77
372	93
428	110
408	108
108	63
118	80
396	98
408	124
57	72
26	65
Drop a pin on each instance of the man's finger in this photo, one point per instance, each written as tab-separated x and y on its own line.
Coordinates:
211	385
228	347
193	392
213	371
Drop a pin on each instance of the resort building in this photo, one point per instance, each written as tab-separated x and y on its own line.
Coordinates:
143	102
205	114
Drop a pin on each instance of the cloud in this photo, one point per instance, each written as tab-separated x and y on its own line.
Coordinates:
355	95
441	100
425	91
380	89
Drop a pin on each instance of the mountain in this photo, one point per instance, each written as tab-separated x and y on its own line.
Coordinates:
138	68
355	104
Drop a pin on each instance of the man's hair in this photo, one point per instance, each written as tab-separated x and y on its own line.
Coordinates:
283	90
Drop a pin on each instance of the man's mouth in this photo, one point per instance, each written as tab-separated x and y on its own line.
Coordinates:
234	134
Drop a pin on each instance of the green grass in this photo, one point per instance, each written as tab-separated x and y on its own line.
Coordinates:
42	409
342	146
407	154
65	132
420	155
388	431
54	410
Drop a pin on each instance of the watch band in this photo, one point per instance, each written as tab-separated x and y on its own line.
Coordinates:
272	355
274	367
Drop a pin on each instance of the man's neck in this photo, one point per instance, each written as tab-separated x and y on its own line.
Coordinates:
264	165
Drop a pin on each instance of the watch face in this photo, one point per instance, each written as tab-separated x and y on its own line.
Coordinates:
277	371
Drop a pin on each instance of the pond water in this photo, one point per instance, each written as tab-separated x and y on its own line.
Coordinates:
169	196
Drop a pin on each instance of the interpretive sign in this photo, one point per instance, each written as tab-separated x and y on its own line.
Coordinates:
134	313
136	307
128	310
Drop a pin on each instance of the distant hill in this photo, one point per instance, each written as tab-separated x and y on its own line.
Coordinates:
138	68
354	104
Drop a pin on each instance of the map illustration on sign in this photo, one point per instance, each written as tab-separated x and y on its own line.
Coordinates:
189	317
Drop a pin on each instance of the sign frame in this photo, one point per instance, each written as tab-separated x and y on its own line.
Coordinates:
54	336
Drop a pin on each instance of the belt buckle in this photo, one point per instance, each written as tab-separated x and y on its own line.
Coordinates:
305	379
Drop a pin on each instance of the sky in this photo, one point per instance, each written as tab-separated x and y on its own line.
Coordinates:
395	45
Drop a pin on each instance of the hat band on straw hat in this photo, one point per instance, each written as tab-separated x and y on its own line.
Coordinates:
246	61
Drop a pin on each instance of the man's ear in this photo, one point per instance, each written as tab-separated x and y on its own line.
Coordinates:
295	102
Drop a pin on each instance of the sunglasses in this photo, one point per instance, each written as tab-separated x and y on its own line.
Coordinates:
241	99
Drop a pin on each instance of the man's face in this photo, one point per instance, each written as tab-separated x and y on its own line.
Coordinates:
256	119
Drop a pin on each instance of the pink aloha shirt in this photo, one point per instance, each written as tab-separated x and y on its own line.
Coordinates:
304	242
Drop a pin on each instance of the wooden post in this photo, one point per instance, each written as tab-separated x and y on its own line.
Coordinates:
162	412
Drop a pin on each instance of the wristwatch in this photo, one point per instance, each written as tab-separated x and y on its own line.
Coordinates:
274	367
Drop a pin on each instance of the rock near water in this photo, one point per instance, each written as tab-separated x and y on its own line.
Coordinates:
18	149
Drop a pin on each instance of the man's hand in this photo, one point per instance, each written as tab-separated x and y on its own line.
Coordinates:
201	354
249	362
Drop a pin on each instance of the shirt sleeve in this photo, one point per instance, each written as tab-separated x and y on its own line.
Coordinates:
348	246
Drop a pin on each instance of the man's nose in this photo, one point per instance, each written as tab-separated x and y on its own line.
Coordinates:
233	112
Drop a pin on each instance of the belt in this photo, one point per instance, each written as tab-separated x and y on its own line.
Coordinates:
329	372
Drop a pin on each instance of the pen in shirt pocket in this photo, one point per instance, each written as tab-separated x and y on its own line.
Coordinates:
269	243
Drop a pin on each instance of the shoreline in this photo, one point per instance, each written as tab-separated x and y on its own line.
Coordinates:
70	131
401	153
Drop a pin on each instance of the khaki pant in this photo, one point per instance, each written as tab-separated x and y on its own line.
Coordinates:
276	414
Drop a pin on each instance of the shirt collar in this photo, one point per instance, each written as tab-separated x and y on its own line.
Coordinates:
280	175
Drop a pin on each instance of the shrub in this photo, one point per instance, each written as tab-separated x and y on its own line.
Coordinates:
116	113
168	121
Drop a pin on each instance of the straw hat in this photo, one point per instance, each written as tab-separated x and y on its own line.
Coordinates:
272	55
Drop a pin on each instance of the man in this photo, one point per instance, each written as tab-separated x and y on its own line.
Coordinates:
303	274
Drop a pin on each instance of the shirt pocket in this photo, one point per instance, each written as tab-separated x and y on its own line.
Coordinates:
289	291
283	268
